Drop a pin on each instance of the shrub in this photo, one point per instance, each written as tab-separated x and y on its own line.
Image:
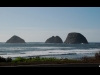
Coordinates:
8	59
97	55
86	59
19	59
2	59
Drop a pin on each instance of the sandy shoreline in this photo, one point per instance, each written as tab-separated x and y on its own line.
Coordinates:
60	65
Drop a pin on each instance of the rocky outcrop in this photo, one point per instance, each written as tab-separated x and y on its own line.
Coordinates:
15	39
76	38
53	39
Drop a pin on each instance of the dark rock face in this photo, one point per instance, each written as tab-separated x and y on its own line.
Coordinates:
53	39
75	38
15	39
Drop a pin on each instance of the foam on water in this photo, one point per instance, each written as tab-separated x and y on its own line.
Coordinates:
51	52
23	48
42	49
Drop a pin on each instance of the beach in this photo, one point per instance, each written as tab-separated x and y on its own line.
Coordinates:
59	65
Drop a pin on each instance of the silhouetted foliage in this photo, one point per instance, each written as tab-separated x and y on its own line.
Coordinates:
97	55
8	59
5	59
2	59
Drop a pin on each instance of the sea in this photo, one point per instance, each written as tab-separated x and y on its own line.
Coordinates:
54	50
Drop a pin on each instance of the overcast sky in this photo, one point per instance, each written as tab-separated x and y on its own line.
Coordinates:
36	24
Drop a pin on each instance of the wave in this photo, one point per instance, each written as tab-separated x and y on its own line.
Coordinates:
69	54
32	48
51	52
22	53
3	54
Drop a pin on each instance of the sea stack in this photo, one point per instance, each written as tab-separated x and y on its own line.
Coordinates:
75	38
53	39
15	39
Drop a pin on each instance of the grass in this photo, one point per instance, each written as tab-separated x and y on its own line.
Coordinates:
37	60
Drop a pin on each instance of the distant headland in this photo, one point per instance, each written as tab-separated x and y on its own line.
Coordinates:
72	38
15	39
53	39
75	38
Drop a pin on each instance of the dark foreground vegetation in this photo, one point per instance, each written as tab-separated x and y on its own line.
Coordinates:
37	60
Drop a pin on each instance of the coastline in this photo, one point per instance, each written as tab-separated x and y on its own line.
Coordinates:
60	65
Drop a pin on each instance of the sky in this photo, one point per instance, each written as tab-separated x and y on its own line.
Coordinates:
37	24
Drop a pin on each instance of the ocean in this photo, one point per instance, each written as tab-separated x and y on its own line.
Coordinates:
55	50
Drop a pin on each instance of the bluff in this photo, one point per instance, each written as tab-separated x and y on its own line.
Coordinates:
53	39
15	39
75	38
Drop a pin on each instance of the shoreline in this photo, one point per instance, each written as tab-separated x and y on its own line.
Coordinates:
50	62
60	65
